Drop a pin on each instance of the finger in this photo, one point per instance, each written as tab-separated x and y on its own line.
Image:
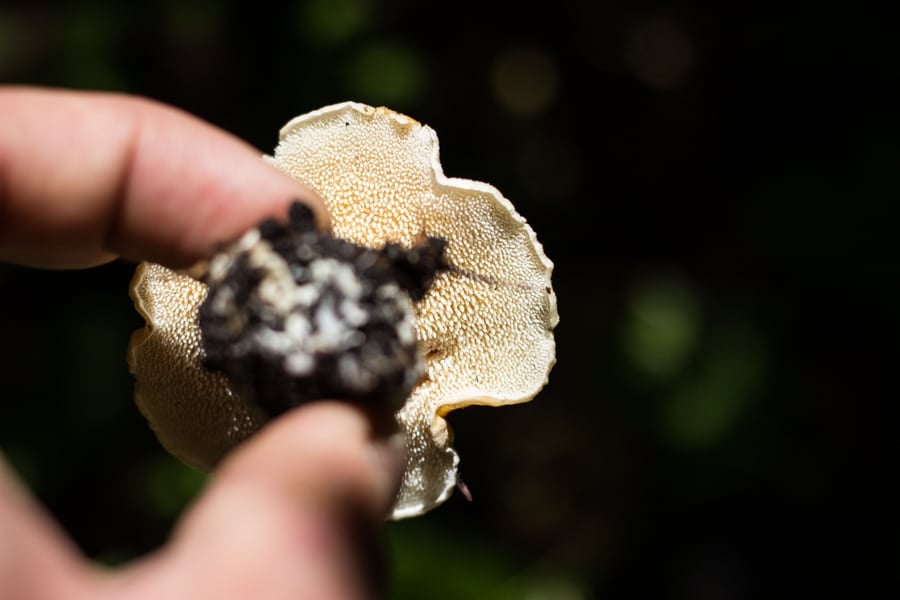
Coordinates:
37	560
293	513
87	176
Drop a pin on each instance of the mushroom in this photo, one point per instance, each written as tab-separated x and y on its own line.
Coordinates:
193	411
484	328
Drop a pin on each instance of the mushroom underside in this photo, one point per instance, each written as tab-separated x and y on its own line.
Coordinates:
484	328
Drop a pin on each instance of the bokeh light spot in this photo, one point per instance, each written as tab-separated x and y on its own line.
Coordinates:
331	22
662	328
387	73
705	407
525	81
660	53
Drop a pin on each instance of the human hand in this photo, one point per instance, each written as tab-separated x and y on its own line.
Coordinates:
88	177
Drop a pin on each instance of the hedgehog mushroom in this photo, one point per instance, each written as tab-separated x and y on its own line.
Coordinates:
485	327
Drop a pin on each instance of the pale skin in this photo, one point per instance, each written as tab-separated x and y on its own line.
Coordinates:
86	178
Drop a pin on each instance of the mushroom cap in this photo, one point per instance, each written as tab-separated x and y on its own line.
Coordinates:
485	327
192	410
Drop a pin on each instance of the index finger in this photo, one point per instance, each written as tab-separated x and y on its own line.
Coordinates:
88	176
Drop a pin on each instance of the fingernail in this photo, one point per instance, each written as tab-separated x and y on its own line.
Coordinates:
389	458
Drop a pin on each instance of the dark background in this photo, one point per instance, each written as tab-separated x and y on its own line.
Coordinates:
716	187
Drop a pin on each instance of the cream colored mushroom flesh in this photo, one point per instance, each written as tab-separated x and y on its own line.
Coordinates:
484	328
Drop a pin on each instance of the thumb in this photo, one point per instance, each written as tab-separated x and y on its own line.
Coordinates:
293	512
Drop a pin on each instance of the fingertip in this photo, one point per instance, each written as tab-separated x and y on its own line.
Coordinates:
390	461
323	453
298	191
134	178
218	188
298	507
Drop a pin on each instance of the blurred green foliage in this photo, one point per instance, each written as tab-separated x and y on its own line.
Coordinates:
716	186
332	22
662	330
388	74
